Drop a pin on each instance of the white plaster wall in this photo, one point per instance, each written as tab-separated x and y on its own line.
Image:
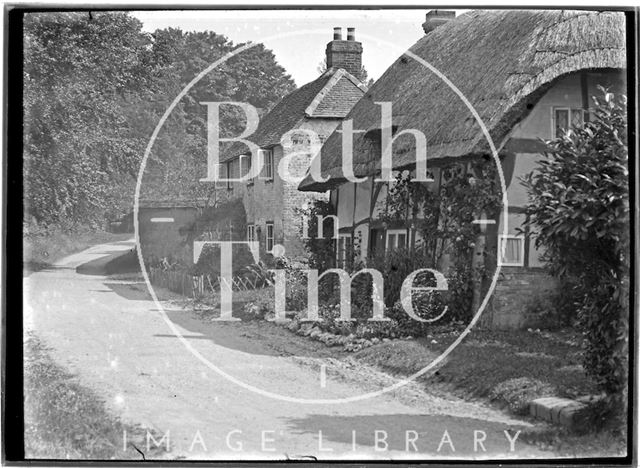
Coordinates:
345	205
363	200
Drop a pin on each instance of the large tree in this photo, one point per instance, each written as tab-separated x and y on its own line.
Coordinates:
80	71
252	76
95	86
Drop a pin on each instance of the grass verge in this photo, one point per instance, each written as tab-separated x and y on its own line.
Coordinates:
507	369
491	364
65	420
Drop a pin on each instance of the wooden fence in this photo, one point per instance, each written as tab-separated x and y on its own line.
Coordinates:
197	286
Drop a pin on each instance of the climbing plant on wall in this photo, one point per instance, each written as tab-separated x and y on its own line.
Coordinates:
444	218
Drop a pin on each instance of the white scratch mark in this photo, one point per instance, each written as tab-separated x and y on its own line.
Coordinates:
323	375
483	221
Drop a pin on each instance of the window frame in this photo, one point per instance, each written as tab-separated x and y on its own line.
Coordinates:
245	160
222	174
251	232
272	238
396	233
270	159
501	239
570	113
228	170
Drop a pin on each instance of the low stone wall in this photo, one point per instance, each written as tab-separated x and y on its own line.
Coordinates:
516	291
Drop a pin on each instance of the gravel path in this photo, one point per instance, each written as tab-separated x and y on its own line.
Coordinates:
111	334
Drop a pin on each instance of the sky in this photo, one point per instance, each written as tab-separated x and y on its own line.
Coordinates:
384	34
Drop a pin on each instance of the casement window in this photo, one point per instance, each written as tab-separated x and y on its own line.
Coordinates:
343	250
251	233
396	239
565	118
245	166
228	175
511	250
233	171
222	174
270	237
267	168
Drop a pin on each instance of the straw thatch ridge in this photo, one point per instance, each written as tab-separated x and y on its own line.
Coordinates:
501	61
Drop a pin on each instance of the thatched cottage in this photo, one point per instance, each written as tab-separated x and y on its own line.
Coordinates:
271	202
528	74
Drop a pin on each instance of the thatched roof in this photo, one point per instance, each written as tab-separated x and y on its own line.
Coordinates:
331	95
502	61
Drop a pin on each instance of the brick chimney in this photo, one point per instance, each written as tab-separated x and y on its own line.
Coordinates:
345	54
437	18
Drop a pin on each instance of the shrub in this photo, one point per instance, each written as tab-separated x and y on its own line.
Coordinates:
261	306
395	266
426	306
225	221
579	212
556	310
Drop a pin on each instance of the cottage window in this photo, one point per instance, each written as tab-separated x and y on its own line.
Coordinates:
245	165
511	251
396	239
270	237
251	233
565	118
222	174
233	170
343	252
267	158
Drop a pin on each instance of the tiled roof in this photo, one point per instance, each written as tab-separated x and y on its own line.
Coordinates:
331	95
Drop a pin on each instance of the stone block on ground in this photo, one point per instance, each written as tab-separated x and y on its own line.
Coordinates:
556	410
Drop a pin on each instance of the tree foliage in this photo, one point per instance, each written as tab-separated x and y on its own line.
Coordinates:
178	160
79	72
96	85
579	214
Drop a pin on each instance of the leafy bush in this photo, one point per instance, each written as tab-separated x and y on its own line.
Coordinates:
227	221
426	306
395	266
556	310
579	214
261	305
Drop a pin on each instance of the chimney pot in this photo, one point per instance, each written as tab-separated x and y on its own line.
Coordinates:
345	54
437	18
351	34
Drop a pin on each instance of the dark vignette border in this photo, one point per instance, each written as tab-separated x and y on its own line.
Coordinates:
12	329
12	356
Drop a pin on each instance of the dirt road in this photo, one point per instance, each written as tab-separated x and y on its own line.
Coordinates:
113	336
